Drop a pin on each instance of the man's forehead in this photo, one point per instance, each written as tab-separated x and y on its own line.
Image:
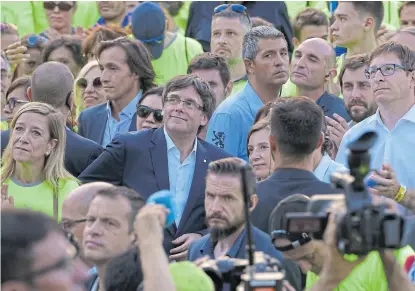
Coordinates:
385	58
225	22
109	206
229	182
265	44
355	75
345	8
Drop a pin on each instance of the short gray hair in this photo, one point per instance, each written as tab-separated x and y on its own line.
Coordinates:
250	43
228	13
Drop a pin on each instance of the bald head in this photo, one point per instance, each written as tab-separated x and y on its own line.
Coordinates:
323	47
79	199
406	36
313	64
51	83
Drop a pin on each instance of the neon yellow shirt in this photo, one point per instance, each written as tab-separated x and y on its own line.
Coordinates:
4	125
368	275
39	196
295	7
175	58
238	85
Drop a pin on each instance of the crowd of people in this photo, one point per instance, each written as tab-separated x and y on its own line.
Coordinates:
100	114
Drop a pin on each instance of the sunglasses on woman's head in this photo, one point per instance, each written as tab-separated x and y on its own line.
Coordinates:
83	83
144	111
63	6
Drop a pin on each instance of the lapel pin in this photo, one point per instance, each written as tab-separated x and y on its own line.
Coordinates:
204	161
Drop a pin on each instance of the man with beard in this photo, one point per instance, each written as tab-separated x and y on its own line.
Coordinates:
224	206
357	94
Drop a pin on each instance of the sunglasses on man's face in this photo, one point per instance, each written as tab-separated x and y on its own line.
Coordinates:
63	6
144	111
83	83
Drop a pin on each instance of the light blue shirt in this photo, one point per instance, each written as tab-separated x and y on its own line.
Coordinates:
180	175
232	120
126	115
326	167
395	147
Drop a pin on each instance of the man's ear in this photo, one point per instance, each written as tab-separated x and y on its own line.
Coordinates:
249	66
29	94
228	89
369	23
253	202
331	74
320	141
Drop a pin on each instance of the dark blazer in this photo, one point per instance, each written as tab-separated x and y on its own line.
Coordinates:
92	123
204	247
79	152
138	160
281	184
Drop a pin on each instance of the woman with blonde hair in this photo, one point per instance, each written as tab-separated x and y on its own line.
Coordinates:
33	161
88	89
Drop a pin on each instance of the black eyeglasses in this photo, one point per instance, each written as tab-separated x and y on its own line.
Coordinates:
12	101
189	104
63	6
83	83
295	239
144	111
386	70
68	225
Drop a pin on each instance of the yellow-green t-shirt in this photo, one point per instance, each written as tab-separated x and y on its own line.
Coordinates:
175	58
368	275
4	125
238	86
39	196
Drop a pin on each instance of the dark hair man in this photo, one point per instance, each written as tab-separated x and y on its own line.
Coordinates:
109	229
171	157
296	132
75	208
357	94
310	23
126	73
392	77
224	206
35	254
52	83
407	14
265	54
214	70
356	24
312	72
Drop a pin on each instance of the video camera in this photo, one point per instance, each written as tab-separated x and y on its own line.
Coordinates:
365	227
259	272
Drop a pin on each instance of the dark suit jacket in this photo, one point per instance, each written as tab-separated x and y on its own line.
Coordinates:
204	247
92	123
79	152
281	184
201	12
139	161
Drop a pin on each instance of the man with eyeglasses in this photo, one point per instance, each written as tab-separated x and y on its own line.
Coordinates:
75	208
392	77
171	157
36	255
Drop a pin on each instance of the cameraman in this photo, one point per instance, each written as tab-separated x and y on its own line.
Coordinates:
317	258
224	206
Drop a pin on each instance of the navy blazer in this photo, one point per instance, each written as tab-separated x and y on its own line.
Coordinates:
79	152
204	247
281	184
92	122
138	160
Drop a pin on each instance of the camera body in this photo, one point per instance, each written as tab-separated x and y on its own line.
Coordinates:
364	227
240	275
